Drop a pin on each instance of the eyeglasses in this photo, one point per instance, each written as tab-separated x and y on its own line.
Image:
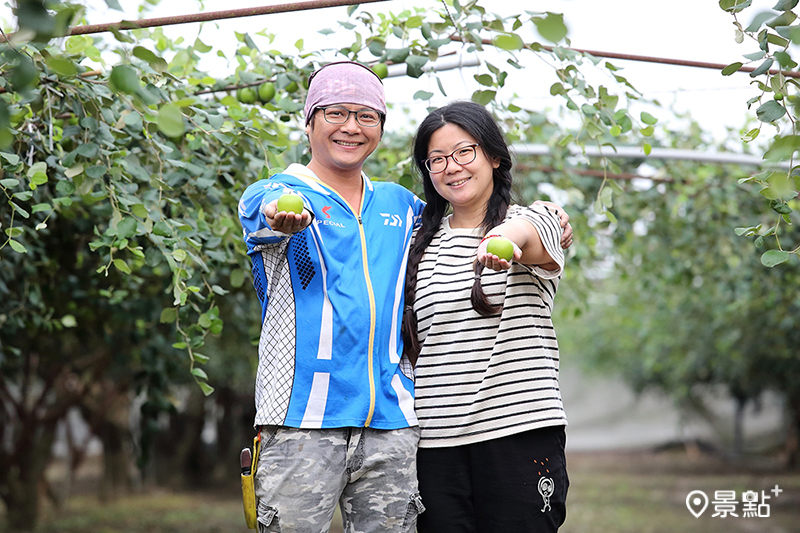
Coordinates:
463	156
340	115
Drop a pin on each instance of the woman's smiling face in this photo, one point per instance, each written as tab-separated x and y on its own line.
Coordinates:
467	187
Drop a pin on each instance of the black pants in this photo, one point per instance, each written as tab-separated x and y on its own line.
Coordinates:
514	484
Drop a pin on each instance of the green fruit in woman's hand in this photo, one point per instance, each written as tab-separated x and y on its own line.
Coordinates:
501	247
291	203
246	95
266	91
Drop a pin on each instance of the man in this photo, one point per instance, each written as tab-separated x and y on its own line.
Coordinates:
334	396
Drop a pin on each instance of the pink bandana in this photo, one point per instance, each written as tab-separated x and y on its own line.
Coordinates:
345	82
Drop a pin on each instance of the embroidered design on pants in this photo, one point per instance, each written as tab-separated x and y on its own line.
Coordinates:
546	489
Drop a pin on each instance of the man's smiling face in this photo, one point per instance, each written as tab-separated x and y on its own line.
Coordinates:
341	148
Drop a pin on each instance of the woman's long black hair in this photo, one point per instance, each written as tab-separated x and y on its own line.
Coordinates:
479	123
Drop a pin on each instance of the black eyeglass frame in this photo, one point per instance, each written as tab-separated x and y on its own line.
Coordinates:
452	156
344	109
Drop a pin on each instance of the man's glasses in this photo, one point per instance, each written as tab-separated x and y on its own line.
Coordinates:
339	115
463	156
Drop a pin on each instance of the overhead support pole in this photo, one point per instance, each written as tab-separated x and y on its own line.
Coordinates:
649	59
207	17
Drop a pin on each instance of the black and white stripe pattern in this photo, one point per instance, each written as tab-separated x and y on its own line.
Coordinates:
480	378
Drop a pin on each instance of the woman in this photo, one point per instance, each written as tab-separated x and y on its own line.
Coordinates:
491	453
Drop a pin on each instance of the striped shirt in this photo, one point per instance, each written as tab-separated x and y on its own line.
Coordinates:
480	378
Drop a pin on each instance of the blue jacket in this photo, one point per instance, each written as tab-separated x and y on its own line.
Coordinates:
330	352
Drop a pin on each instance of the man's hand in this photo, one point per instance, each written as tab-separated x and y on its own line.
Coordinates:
566	236
284	222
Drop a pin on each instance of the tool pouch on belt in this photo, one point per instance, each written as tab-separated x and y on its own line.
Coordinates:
248	488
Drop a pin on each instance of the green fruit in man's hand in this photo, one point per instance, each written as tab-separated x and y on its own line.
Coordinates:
291	203
381	70
501	247
246	95
266	91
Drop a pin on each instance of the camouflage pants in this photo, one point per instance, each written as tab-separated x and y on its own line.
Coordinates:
303	473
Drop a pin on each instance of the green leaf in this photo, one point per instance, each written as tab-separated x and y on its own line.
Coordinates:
770	111
484	79
17	246
780	187
483	97
423	95
61	66
734	6
13	159
205	387
785	5
508	41
237	278
759	20
414	64
123	79
202	47
730	69
18	209
179	255
782	148
74	170
14	231
755	56
647	118
170	121
762	68
126	228
122	266
751	135
200	358
88	150
776	40
551	26
200	373
140	211
772	258
68	321
40	178
158	63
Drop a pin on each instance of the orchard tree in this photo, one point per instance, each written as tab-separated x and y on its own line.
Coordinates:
772	33
686	307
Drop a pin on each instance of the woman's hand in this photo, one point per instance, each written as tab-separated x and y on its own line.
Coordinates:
491	260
